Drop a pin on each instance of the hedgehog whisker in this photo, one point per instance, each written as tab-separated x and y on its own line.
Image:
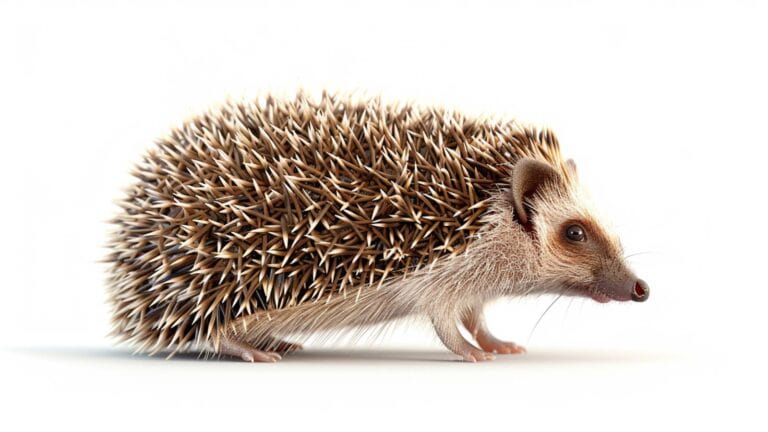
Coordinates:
544	313
641	253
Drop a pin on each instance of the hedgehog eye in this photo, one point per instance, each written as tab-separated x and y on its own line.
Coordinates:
575	233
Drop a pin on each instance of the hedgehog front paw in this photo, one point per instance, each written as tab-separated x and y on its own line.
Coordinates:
497	346
475	355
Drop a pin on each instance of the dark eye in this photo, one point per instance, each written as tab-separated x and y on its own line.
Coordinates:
575	233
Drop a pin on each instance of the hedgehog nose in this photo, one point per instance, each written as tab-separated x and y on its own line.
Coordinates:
640	291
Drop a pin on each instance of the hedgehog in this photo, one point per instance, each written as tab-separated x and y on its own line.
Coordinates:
264	220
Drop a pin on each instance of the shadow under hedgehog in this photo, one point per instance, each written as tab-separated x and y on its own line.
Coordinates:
259	221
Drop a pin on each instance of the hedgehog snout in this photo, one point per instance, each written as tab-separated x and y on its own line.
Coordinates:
640	291
625	289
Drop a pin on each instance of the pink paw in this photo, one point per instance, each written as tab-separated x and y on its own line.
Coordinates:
254	356
246	352
501	347
477	355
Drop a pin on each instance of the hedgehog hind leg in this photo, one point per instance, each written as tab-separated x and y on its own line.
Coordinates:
246	351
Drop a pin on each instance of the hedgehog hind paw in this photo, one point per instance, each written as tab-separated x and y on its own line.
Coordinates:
246	352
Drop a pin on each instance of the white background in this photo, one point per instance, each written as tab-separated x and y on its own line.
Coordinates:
663	106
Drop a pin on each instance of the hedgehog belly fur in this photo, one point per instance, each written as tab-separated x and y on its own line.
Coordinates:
271	206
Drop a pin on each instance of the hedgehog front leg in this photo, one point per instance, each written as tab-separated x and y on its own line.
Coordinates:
246	351
448	331
475	323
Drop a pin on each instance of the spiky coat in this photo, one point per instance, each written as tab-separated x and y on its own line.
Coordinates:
270	204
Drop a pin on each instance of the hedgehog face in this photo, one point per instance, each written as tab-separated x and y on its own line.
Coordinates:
578	255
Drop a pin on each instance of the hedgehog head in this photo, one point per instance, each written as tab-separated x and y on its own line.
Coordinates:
578	255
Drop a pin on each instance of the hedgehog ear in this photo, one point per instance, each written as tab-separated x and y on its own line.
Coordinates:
572	166
527	176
